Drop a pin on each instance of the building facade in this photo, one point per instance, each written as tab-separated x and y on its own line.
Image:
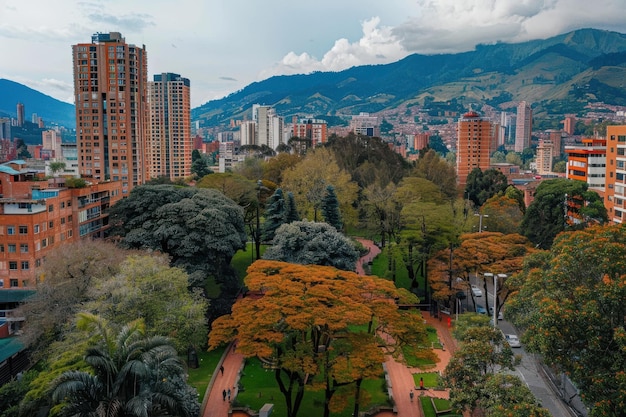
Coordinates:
37	216
523	126
315	130
544	157
364	124
588	163
169	143
475	138
110	88
615	194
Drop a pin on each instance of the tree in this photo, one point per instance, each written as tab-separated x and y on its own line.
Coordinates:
274	168
22	149
330	208
308	181
481	353
498	157
435	169
200	168
502	214
56	167
547	215
275	215
132	375
571	303
198	228
382	211
560	166
506	395
310	243
481	186
329	322
291	211
514	158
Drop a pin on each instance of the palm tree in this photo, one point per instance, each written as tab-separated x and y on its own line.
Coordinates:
133	375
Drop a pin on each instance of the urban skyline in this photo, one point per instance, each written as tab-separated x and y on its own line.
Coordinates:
222	47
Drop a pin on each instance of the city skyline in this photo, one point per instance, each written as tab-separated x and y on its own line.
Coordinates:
222	48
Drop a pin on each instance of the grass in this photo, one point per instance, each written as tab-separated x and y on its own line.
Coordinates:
429	410
258	387
431	379
244	258
380	267
200	377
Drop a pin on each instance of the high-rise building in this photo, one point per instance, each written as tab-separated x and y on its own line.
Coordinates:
20	114
365	125
269	126
51	140
247	134
588	163
110	87
615	192
312	129
523	127
169	144
5	128
475	138
544	156
569	124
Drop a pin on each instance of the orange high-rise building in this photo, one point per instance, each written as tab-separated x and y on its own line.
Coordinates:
475	138
588	163
615	194
169	143
110	87
313	129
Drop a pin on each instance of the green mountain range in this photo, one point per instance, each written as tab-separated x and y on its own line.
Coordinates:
558	75
46	107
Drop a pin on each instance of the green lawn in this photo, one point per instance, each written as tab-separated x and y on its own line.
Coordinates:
200	377
431	379
429	410
259	387
244	258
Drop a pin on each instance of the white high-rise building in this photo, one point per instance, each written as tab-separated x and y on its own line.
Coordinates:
524	126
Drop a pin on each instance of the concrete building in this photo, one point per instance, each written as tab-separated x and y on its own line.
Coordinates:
588	163
569	124
51	141
37	216
523	126
544	157
110	88
20	114
5	128
615	194
269	126
475	141
248	133
420	141
364	124
169	143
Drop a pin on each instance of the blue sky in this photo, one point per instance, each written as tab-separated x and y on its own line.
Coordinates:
224	45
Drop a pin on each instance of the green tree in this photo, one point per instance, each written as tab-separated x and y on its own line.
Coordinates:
507	395
547	215
438	171
275	215
311	243
200	168
571	303
560	166
498	157
382	211
291	211
514	158
481	186
330	322
330	208
502	214
198	228
131	375
56	167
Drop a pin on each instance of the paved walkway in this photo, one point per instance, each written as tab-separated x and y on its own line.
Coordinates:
401	377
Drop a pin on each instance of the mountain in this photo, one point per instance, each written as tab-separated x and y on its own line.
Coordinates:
559	74
46	107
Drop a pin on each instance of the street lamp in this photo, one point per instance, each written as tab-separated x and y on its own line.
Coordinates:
480	222
257	234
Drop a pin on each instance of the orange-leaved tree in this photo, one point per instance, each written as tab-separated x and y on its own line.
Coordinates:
321	324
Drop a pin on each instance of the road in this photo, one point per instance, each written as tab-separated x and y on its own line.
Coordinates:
528	370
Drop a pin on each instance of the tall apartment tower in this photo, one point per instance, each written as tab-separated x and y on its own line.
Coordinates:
20	114
545	154
474	145
523	127
269	126
169	144
110	87
615	191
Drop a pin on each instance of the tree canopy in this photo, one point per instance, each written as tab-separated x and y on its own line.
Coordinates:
481	186
327	318
311	243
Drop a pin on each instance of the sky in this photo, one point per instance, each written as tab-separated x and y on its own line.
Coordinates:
224	45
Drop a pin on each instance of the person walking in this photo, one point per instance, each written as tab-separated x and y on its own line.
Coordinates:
411	395
224	395
228	394
222	369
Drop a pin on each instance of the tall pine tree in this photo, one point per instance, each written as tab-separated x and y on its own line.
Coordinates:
330	208
274	214
291	211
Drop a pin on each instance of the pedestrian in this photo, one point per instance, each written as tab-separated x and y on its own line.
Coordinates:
224	395
411	395
421	383
228	394
222	369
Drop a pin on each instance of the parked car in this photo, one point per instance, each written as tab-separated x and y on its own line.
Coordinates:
500	315
476	291
480	309
512	340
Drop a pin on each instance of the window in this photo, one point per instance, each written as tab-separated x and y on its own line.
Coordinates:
1	283
51	207
70	233
23	247
51	224
25	265
62	220
44	243
36	228
1	247
10	230
13	283
37	262
12	248
23	230
69	218
13	265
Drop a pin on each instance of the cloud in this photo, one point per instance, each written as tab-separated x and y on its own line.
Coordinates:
38	34
228	78
135	22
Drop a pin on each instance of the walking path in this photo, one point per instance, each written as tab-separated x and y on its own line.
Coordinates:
401	377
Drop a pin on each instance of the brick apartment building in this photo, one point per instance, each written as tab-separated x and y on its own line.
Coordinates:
38	215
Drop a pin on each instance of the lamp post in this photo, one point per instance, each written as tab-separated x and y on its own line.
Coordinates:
480	222
257	233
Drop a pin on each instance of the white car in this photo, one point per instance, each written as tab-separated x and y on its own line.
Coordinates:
476	291
512	340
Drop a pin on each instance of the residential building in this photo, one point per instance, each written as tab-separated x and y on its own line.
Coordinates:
569	124
51	141
169	143
615	195
475	139
37	216
5	128
248	133
365	125
269	126
20	114
523	126
544	157
313	129
110	87
420	141
588	163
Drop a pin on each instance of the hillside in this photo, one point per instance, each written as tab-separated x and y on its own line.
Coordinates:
561	72
50	109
